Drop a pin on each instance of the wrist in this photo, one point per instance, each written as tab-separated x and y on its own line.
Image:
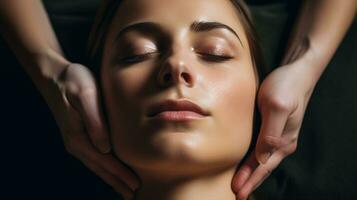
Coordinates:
50	64
309	56
316	63
45	68
312	63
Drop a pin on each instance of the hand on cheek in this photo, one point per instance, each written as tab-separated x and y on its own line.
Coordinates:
282	103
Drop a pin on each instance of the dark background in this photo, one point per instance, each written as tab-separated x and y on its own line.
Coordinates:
34	163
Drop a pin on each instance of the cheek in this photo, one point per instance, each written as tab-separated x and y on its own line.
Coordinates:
123	90
131	81
233	110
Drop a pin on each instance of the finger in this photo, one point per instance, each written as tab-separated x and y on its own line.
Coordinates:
260	174
269	139
244	172
119	170
94	121
116	184
87	103
109	163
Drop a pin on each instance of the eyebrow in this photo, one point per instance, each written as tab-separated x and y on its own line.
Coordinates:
196	26
201	26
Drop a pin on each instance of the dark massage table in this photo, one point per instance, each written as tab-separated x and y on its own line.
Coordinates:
324	166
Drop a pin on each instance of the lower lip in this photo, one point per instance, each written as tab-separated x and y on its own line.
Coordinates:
178	116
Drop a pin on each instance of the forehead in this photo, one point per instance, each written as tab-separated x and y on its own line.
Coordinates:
185	9
176	14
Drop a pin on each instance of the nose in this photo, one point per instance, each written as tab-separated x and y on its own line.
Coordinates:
175	69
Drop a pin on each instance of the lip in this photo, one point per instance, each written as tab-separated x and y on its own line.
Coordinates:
177	110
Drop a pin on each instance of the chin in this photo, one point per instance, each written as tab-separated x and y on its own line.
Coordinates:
180	154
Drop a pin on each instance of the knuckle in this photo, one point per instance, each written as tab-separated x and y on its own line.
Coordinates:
290	149
293	137
87	91
71	87
279	104
272	141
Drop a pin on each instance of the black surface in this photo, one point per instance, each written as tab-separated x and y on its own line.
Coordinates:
35	165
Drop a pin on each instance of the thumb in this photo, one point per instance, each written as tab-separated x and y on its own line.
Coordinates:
269	139
87	104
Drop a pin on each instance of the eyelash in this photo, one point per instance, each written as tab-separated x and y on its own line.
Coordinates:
135	58
205	56
214	58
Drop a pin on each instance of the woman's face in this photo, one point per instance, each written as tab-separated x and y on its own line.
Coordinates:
168	51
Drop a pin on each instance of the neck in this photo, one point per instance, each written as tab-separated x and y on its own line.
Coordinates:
208	186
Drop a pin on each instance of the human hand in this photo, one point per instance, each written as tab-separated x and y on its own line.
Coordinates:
282	100
74	101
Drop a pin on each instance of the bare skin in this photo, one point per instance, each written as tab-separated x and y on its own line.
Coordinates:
69	89
43	60
285	92
179	160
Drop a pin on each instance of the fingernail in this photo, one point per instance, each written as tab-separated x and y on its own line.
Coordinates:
103	148
264	158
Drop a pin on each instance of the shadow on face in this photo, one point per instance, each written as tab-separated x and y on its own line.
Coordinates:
179	86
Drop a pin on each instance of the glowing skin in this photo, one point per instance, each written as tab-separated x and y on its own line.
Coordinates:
177	160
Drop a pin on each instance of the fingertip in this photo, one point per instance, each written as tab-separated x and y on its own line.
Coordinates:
240	178
237	183
240	196
134	184
103	147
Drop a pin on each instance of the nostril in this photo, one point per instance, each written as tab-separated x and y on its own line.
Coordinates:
186	77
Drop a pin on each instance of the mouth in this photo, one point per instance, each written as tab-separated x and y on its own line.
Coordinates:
177	110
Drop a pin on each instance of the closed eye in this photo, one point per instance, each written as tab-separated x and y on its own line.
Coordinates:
135	58
214	58
142	57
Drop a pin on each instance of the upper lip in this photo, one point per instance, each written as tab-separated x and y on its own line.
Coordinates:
175	105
